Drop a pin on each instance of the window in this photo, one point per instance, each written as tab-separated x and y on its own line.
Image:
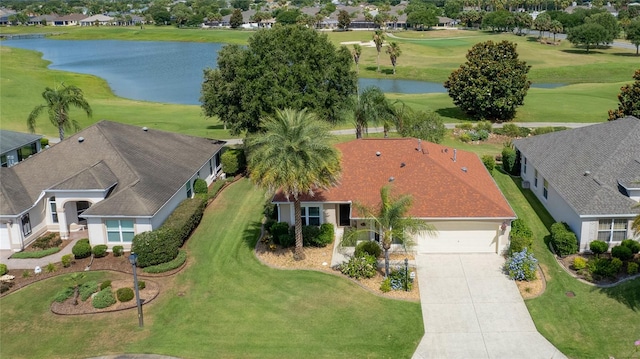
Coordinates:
26	225
3	161
119	230
535	178
612	230
524	166
310	216
217	159
210	166
54	209
545	191
188	188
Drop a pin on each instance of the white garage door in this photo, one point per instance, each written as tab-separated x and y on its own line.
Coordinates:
461	237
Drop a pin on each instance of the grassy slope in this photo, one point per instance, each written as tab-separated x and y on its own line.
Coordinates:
231	306
596	323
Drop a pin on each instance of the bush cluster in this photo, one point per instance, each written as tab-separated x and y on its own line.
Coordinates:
634	246
315	236
622	252
200	186
86	289
371	248
363	266
598	247
100	250
118	251
563	239
280	233
233	161
3	269
47	241
165	267
82	249
36	254
513	130
489	162
521	265
103	299
155	247
602	267
521	236
124	294
400	277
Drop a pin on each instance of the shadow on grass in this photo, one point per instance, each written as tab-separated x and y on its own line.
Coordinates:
627	293
452	112
215	127
581	52
251	234
626	54
382	71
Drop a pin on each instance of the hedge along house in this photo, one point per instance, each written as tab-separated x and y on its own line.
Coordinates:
114	179
451	189
588	177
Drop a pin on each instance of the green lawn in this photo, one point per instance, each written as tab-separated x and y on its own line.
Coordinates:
225	304
596	323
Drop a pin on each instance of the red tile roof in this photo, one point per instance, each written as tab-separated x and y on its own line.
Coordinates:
440	187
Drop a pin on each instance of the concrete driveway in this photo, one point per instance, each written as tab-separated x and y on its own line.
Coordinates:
471	309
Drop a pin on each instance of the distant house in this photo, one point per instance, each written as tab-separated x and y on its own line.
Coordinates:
69	20
588	177
97	20
113	179
451	189
17	146
47	20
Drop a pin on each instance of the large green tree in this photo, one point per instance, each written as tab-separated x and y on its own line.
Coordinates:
588	35
286	66
236	20
344	20
293	155
371	107
632	32
492	83
629	100
58	102
390	222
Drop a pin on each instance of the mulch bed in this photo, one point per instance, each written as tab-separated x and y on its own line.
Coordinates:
567	263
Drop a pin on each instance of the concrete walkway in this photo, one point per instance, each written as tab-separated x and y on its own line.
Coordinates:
471	309
41	262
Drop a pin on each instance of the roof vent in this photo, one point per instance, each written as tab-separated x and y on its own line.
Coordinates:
455	155
464	169
80	139
419	145
145	129
402	164
378	153
391	179
586	173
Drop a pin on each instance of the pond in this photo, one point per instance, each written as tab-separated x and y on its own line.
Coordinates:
159	71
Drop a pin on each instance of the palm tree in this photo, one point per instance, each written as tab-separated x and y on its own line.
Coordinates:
391	223
394	52
556	28
371	107
58	101
294	155
75	278
357	51
378	39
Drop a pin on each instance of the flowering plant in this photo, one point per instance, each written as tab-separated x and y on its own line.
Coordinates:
521	265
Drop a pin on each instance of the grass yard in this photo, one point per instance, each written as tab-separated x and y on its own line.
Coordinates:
225	304
596	323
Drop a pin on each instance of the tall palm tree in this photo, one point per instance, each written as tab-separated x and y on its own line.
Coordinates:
357	51
390	222
378	39
555	27
371	107
394	52
294	155
58	102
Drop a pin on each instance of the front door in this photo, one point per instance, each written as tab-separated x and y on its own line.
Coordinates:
345	213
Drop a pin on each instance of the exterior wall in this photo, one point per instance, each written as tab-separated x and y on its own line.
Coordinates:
590	234
97	231
465	236
327	212
5	240
285	213
330	214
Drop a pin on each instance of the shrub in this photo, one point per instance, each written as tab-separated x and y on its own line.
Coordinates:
363	266
521	236
216	187
310	235
598	247
399	278
124	294
3	269
616	263
233	161
489	162
50	268
165	267
579	263
511	130
105	284
141	285
603	267
465	137
542	130
508	159
622	252
634	246
100	250
286	240
5	286
482	135
26	273
46	241
349	238
118	251
484	126
371	248
632	268
88	288
521	265
386	285
200	186
563	239
268	223
465	126
66	260
63	295
155	247
326	236
184	219
279	228
104	299
82	249
44	142
36	254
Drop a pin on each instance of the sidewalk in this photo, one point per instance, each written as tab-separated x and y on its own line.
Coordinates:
41	262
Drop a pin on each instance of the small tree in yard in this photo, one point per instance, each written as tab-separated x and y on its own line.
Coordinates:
75	278
492	83
633	33
629	98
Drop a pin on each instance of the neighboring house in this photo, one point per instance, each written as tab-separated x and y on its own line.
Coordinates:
588	177
451	190
69	20
97	20
46	20
17	146
117	180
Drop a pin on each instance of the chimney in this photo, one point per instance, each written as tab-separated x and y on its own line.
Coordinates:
455	155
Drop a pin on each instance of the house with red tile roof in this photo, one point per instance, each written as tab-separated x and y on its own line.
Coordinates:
451	189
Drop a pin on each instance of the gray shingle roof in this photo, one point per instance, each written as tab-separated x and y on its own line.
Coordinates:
146	167
585	165
10	140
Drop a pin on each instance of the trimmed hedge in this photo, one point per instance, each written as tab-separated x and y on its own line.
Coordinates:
100	250
521	236
165	267
634	246
66	260
155	247
509	159
3	269
598	247
82	249
326	236
563	239
124	294
371	248
38	254
186	217
118	251
489	162
621	252
233	161
200	186
104	299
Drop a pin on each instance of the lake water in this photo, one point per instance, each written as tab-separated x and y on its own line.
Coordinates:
158	71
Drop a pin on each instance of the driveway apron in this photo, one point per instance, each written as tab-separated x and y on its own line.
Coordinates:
472	310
